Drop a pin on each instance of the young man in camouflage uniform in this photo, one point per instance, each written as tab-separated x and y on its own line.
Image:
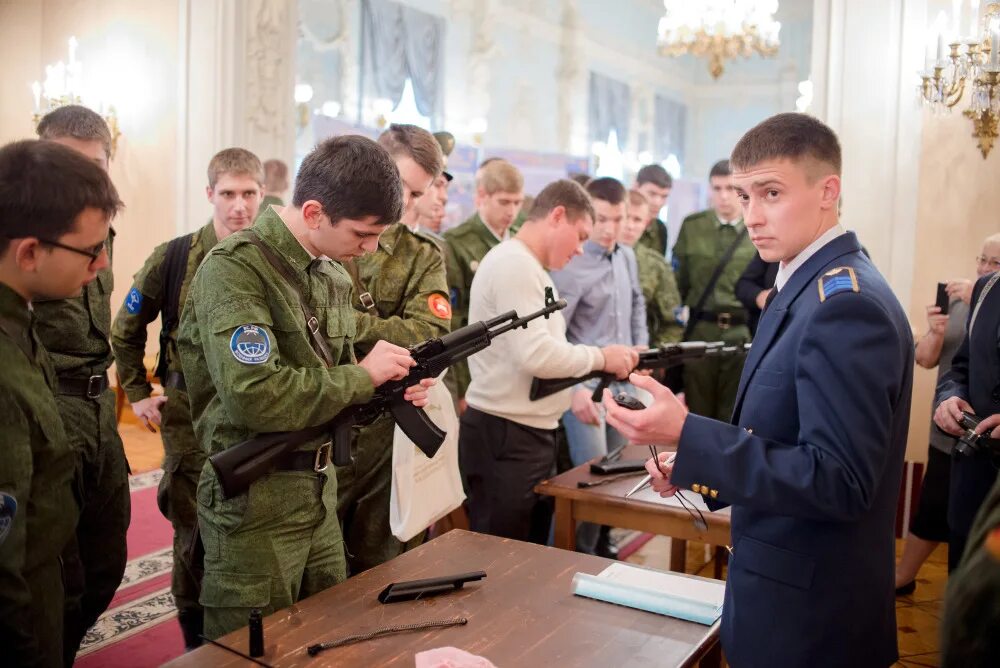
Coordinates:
659	289
253	365
702	244
499	195
55	208
75	332
235	182
654	183
400	294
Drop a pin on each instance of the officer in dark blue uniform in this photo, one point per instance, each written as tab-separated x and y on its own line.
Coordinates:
972	384
813	459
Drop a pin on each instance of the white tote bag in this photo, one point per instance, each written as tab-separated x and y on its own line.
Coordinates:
423	489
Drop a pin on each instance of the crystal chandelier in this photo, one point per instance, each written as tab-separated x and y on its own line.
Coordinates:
972	63
719	30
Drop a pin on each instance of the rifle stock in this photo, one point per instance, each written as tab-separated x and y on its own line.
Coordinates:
238	466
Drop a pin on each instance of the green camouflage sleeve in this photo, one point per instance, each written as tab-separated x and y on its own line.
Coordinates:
271	395
458	286
128	332
667	299
680	264
20	647
425	311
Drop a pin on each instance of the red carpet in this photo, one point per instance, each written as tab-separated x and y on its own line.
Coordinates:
140	628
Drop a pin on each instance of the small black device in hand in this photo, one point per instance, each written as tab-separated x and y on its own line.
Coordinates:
942	298
970	443
629	402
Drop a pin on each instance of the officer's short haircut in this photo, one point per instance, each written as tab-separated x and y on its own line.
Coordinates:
608	189
351	177
237	162
654	174
790	136
414	142
565	193
499	176
44	186
275	175
581	178
78	122
636	198
721	168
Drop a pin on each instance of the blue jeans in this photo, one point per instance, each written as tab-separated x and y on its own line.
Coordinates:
587	441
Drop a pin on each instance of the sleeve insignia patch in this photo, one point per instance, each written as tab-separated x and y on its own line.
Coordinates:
8	509
250	344
439	306
133	301
835	281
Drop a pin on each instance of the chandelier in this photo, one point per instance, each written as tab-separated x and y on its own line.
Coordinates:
719	30
972	63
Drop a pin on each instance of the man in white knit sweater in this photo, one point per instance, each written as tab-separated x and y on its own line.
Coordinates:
506	441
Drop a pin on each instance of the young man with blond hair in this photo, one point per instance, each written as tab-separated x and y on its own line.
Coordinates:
235	187
499	195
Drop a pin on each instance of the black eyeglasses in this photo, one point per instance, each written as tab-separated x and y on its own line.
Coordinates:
93	253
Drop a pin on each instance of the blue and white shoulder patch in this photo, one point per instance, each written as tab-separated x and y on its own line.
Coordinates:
250	344
8	509
841	279
133	301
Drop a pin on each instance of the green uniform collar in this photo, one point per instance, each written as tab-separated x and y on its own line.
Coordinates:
206	236
275	233
388	239
14	311
486	233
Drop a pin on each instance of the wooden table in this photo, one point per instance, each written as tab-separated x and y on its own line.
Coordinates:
523	614
607	504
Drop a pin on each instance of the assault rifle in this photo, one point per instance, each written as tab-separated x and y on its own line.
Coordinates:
240	465
663	357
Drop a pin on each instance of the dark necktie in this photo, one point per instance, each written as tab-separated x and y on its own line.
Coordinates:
770	298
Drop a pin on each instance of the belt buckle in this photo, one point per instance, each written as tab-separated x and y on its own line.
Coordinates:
366	300
94	388
322	461
313	324
724	320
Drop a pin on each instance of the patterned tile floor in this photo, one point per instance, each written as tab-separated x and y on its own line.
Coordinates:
917	615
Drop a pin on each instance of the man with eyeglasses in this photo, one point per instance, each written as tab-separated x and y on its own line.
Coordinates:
235	187
75	331
400	296
55	212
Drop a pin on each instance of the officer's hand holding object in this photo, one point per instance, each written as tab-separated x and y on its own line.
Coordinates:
948	415
660	424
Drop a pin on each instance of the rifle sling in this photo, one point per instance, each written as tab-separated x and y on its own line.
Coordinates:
364	296
710	286
319	344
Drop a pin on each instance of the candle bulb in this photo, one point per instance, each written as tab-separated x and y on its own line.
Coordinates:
995	49
974	23
940	49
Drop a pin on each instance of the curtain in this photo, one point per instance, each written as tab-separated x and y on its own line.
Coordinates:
402	43
669	125
610	106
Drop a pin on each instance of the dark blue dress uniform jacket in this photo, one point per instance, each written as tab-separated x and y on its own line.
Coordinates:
975	377
812	466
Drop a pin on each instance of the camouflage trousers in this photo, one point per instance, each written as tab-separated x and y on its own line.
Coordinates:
176	496
269	547
363	491
710	385
94	561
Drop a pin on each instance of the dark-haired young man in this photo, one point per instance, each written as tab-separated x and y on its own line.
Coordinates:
401	296
812	461
55	208
75	331
507	442
654	183
605	306
253	364
235	183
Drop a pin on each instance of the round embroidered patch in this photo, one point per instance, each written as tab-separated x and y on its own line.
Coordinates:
439	306
133	301
8	509
250	344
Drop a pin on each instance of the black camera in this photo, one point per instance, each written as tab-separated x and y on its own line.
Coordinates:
970	443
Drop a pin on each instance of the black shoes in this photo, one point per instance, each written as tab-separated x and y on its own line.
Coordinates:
906	589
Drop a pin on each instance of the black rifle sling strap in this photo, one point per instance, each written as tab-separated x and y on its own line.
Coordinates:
174	268
319	344
364	296
710	286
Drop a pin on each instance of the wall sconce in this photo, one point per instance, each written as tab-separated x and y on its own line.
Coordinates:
383	107
63	85
477	126
303	94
